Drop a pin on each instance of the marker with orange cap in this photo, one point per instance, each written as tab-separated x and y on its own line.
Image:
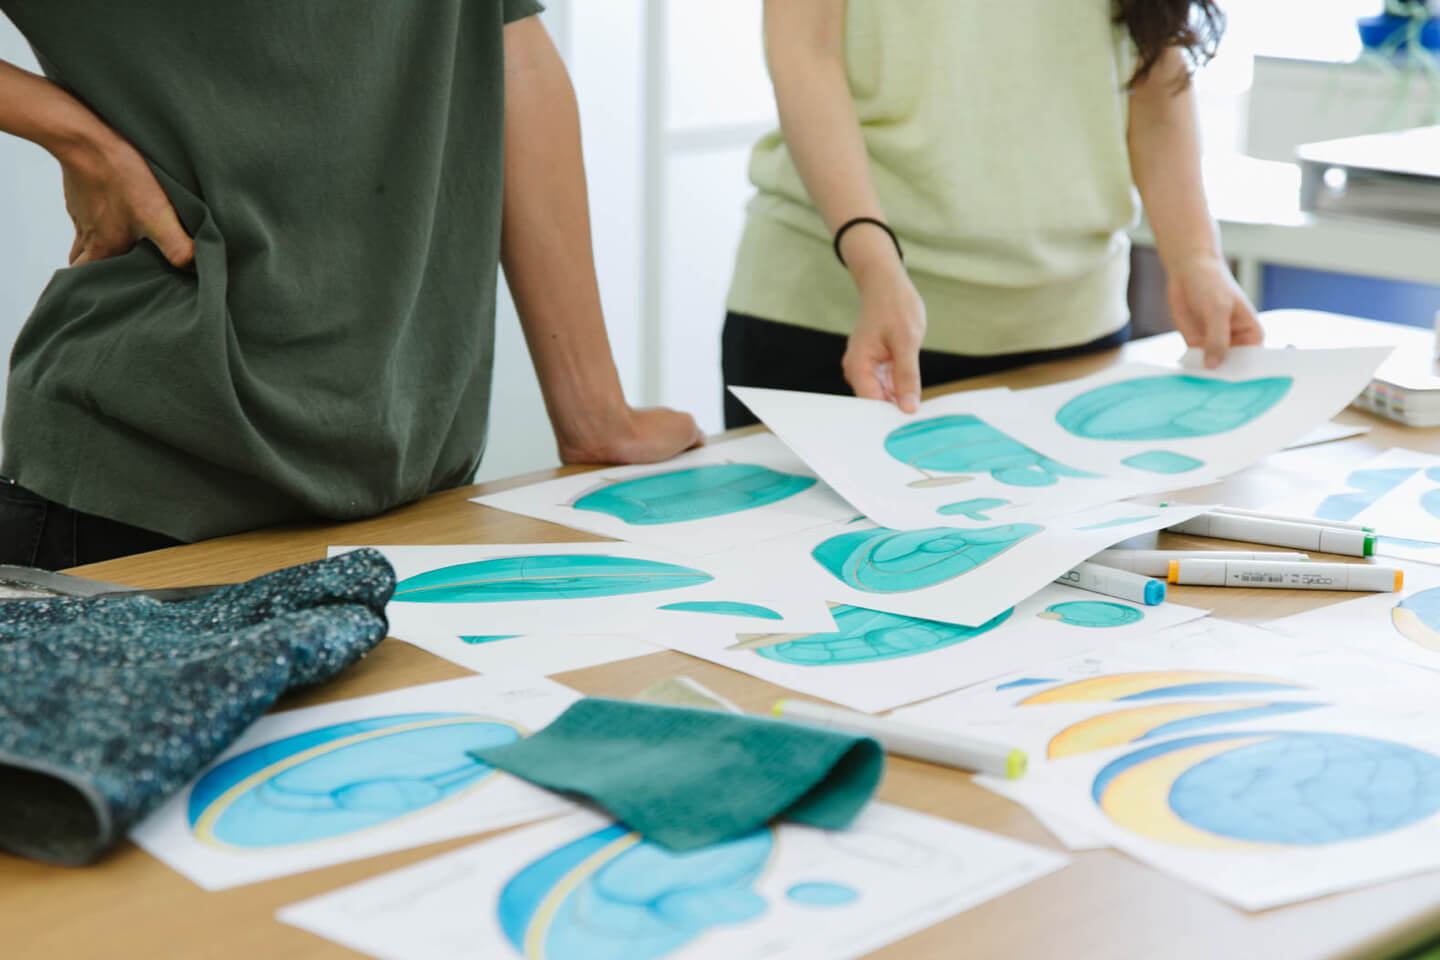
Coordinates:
1285	575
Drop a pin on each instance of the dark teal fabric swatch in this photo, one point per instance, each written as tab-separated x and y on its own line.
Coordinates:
686	778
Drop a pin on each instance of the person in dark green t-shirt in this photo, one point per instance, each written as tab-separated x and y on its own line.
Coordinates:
280	301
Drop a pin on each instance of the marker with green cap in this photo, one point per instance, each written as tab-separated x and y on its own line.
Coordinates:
1280	533
908	740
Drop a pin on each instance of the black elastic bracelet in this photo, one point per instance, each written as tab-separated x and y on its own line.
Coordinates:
858	220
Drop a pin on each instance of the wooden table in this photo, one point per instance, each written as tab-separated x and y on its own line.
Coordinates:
1103	906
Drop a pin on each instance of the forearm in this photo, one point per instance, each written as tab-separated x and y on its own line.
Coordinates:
34	109
1164	145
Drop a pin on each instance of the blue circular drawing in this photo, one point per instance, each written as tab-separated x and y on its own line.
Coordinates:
892	561
962	443
545	577
1094	613
869	635
694	494
1169	407
818	894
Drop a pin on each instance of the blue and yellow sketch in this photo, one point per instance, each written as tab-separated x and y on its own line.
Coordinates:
1159	720
974	509
1258	791
1093	613
693	494
1171	407
865	636
1417	617
893	561
342	778
612	896
545	577
1155	684
726	608
1162	461
962	443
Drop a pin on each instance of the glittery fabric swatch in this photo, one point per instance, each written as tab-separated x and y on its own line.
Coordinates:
108	706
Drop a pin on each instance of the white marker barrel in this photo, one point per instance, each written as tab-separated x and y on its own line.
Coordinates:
1156	563
1122	584
1286	576
1279	533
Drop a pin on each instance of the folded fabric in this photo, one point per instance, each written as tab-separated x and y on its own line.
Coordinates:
107	706
686	778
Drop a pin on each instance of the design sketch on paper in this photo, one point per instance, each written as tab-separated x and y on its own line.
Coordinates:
1417	617
1258	791
865	636
975	509
545	577
1118	522
1092	613
1367	487
728	608
1162	461
894	561
1160	720
961	444
488	638
693	494
612	896
1155	684
1170	407
343	778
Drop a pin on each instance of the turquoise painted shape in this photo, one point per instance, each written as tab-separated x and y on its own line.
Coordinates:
1025	682
866	636
728	608
893	561
489	639
1171	407
974	509
694	494
1095	613
339	779
1118	522
821	894
1162	461
1367	486
545	577
962	443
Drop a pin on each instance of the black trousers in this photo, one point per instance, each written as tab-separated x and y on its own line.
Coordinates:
763	353
35	532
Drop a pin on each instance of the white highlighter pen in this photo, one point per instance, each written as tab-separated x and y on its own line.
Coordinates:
910	740
1288	518
1156	563
1123	584
1286	576
1279	533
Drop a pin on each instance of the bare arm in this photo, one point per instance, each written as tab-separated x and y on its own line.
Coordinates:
805	49
549	265
111	195
1208	306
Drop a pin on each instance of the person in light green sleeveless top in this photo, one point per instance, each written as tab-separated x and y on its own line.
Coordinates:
979	161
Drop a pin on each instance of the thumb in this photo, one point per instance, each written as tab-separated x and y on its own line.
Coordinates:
1217	336
906	367
173	242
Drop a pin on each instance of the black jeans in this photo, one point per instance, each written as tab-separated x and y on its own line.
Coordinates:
763	353
35	532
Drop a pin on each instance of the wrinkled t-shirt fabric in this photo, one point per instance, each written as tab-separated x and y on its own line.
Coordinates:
108	706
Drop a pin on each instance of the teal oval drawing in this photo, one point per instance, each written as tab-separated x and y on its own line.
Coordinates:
729	608
866	636
693	494
962	443
342	778
545	577
1093	613
974	509
1118	522
1163	461
893	561
1171	407
822	894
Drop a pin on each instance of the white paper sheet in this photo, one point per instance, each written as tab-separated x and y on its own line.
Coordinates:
308	788
877	661
581	888
1329	433
585	587
701	502
943	573
541	654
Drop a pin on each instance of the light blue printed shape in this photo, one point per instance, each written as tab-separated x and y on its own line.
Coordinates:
545	577
866	636
342	778
974	509
893	561
1225	717
1025	682
1094	613
694	494
822	894
729	608
1171	407
1367	486
962	443
1118	522
1162	461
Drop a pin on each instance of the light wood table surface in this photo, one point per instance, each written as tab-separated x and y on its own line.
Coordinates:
1103	906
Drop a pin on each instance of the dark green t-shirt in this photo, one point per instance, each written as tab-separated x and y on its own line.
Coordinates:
339	164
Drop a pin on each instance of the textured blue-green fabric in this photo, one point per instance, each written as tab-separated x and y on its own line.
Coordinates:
686	778
108	706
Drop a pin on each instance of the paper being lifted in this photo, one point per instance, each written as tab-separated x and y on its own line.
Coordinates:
547	588
876	661
322	785
585	888
957	576
701	502
994	456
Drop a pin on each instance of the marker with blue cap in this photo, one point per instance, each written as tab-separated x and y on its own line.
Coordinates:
1121	584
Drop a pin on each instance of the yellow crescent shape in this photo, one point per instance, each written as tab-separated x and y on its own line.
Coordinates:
545	914
1127	726
1413	628
1116	686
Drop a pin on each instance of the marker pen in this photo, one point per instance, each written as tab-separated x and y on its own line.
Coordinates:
1279	533
1156	563
910	740
1286	576
1098	578
1288	518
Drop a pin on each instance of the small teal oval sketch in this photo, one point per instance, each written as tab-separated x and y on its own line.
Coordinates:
1093	613
974	509
729	608
693	494
962	443
893	561
865	636
545	577
489	639
1170	407
1118	522
1163	461
820	894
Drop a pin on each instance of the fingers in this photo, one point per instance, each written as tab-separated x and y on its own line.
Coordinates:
907	378
1245	329
863	373
171	239
1217	337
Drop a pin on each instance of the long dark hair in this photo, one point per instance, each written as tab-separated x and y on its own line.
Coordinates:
1157	25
